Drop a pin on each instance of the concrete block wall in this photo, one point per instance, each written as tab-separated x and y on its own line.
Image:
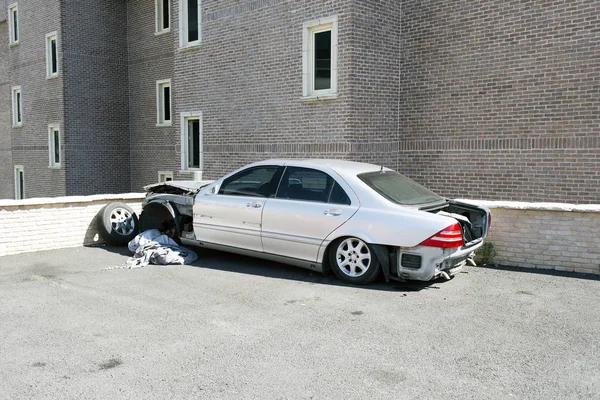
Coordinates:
54	223
562	237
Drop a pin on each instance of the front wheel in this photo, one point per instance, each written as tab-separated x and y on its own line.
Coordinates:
353	261
117	223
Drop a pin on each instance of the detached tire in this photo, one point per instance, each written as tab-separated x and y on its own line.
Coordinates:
353	261
117	223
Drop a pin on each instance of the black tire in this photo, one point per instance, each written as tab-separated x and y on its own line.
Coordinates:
353	261
117	223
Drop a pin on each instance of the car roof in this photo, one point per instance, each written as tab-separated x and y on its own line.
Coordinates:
342	167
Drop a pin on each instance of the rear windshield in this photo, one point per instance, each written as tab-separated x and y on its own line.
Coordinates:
398	188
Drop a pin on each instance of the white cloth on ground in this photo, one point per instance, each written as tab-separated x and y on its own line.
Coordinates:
152	247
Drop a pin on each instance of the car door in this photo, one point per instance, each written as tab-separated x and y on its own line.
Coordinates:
308	206
232	215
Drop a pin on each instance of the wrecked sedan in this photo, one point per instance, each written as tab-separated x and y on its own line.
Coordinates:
359	220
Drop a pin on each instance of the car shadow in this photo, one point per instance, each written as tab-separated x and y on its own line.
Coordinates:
217	260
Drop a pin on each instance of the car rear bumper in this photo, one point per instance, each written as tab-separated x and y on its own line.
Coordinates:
424	263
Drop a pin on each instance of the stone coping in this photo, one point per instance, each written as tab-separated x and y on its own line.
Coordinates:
521	205
40	201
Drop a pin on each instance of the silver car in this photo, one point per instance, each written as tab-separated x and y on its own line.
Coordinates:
359	220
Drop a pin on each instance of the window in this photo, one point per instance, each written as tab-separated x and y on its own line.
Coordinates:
165	176
190	18
256	182
51	56
163	16
319	58
13	24
54	146
310	185
19	182
17	106
163	102
399	189
191	141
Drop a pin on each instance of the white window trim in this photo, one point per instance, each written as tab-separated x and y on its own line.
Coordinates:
163	175
160	100
183	28
11	24
49	73
51	162
19	194
158	17
184	142
309	29
14	91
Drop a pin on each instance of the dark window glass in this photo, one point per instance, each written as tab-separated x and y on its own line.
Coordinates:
54	66
305	184
166	18
56	138
257	182
21	193
194	143
398	188
18	100
168	179
192	25
338	195
15	26
167	103
322	60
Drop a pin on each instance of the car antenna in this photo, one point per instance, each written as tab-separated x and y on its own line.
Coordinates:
381	170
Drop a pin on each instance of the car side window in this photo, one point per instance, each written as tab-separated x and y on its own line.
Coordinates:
338	195
257	182
305	184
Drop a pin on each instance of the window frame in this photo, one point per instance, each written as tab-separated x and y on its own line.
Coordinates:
17	106
275	178
163	175
184	118
159	17
19	189
11	25
183	25
160	103
311	28
49	37
330	185
52	150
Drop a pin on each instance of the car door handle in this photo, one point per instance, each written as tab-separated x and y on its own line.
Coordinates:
254	205
333	213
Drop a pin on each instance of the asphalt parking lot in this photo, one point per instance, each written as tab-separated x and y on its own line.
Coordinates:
232	327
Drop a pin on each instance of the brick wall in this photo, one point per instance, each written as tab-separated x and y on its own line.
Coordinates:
501	99
25	65
555	236
60	222
96	96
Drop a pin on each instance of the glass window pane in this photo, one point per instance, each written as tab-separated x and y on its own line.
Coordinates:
305	184
15	26
192	22
194	143
21	193
258	182
56	146
166	20
167	103
338	195
54	67
18	101
322	65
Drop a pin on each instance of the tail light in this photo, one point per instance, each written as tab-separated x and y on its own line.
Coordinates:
449	237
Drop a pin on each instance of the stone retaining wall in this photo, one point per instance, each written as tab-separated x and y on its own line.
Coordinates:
563	237
53	223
